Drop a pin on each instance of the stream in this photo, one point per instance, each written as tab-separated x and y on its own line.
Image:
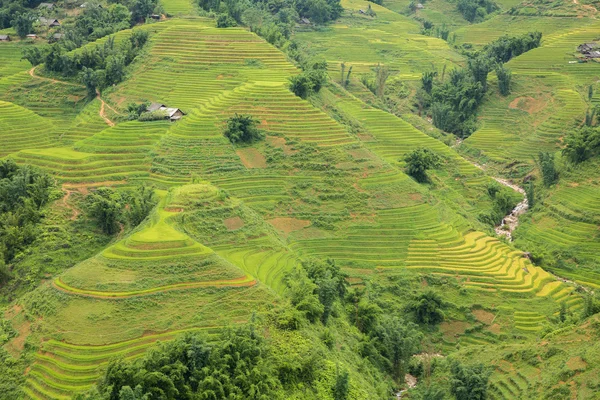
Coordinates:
511	221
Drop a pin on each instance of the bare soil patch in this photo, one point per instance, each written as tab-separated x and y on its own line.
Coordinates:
495	328
576	364
233	223
252	158
527	104
483	316
452	330
288	225
173	209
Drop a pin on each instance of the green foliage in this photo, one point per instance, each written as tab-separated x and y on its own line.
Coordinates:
23	192
225	21
34	55
431	392
341	387
455	103
134	110
391	345
549	172
503	202
310	81
427	80
582	144
236	367
507	47
302	294
140	201
419	161
504	77
98	66
331	283
469	382
242	129
476	10
106	207
427	307
109	208
480	67
23	23
530	193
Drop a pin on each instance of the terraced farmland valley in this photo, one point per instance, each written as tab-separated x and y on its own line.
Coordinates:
299	200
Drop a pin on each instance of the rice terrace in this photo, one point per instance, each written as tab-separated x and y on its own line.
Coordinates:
299	199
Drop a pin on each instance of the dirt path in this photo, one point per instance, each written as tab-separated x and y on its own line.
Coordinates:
74	211
102	112
32	73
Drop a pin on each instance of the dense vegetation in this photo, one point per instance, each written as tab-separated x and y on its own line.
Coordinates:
24	191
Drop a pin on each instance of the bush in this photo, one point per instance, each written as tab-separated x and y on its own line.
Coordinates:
225	21
419	161
242	129
469	383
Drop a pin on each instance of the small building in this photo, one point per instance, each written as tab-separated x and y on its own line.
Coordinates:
361	11
420	6
586	47
49	22
155	107
593	54
4	38
31	36
305	21
172	114
155	16
48	6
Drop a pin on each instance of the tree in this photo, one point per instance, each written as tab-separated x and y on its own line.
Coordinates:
427	80
35	55
590	92
105	207
341	387
242	129
89	78
469	382
396	340
382	74
23	23
431	392
480	68
301	291
225	21
141	9
141	201
549	173
530	193
582	144
427	307
419	161
504	77
301	85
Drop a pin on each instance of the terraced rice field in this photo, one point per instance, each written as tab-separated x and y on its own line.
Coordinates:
22	129
233	220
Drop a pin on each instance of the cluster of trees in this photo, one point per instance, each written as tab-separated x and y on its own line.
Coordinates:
311	80
453	104
110	208
419	161
243	129
98	66
23	192
548	168
503	203
273	19
507	47
582	144
93	23
236	366
476	10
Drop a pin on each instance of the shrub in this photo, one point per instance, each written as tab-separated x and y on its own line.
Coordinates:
242	129
225	21
419	161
